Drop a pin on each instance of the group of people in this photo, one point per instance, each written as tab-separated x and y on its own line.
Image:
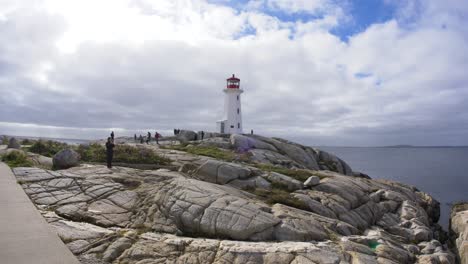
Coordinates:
157	136
176	131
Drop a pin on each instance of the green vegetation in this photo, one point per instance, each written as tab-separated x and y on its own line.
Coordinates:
4	140
47	148
122	153
213	152
28	141
92	152
17	159
298	174
278	194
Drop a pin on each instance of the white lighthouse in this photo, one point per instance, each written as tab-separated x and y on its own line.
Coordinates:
232	118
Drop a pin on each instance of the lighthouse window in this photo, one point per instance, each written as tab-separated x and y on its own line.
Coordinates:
232	126
237	98
237	110
238	125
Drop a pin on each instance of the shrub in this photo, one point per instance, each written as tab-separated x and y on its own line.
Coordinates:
298	174
92	152
122	153
280	196
213	152
27	142
17	159
4	140
47	148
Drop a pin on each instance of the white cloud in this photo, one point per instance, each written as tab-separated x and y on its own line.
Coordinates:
161	64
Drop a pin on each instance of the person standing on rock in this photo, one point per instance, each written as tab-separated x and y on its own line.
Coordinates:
109	151
135	137
141	139
202	135
157	136
149	138
112	136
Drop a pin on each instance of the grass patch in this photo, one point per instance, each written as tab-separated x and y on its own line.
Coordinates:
47	148
277	195
122	153
17	159
298	174
213	152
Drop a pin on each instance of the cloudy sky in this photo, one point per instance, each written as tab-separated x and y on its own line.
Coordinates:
323	72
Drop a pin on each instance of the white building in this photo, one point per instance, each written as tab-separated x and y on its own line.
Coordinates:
231	123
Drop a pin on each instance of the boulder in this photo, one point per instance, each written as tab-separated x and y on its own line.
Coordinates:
244	143
13	143
459	230
65	159
312	181
187	135
293	151
221	172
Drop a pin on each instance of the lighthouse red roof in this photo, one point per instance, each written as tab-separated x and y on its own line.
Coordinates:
233	78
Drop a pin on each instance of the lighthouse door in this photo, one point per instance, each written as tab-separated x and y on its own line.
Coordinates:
222	128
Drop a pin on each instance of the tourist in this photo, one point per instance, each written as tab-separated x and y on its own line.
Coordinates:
135	137
148	139
112	136
110	151
156	136
141	139
202	135
175	131
251	131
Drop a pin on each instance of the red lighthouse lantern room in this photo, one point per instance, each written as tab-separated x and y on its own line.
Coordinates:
233	82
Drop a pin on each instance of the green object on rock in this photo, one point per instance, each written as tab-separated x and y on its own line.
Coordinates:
373	245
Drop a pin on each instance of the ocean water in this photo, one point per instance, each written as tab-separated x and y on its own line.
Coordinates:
441	172
63	140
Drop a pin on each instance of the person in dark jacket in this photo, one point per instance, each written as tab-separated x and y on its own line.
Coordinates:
148	139
157	136
202	135
112	135
135	137
109	151
141	139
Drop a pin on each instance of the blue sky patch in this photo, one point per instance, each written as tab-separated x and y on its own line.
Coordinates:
362	14
362	75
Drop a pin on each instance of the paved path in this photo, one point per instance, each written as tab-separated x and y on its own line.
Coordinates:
25	236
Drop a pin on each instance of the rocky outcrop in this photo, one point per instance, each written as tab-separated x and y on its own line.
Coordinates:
125	215
303	206
65	159
459	230
13	144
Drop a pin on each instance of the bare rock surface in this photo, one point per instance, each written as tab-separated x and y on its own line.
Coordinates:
459	230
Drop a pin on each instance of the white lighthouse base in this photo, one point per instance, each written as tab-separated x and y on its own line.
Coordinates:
221	126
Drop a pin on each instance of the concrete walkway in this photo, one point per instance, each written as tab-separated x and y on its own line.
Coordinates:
25	236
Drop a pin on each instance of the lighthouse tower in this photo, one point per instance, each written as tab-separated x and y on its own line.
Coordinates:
232	118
